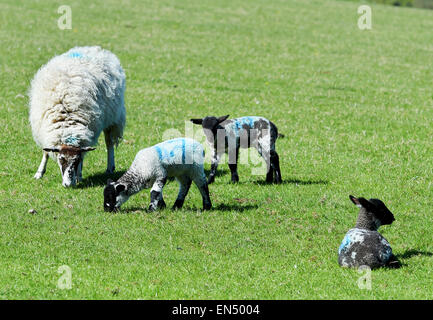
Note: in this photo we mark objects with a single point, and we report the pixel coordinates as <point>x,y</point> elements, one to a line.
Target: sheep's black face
<point>114,195</point>
<point>210,126</point>
<point>381,212</point>
<point>110,198</point>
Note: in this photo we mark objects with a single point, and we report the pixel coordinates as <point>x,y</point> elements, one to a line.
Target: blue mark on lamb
<point>364,245</point>
<point>180,158</point>
<point>229,135</point>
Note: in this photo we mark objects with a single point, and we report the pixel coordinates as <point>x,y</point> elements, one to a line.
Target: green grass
<point>355,107</point>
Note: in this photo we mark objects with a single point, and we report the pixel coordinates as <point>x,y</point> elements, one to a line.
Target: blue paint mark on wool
<point>345,243</point>
<point>240,122</point>
<point>75,54</point>
<point>71,140</point>
<point>169,149</point>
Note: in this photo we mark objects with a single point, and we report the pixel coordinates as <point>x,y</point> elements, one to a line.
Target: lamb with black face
<point>111,195</point>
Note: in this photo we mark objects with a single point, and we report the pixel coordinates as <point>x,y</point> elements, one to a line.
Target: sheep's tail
<point>280,135</point>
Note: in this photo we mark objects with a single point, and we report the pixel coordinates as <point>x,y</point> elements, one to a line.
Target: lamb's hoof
<point>177,205</point>
<point>151,208</point>
<point>207,206</point>
<point>162,205</point>
<point>211,179</point>
<point>235,179</point>
<point>110,171</point>
<point>38,175</point>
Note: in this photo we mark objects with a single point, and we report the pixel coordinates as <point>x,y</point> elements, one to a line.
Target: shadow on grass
<point>234,207</point>
<point>99,179</point>
<point>292,181</point>
<point>219,173</point>
<point>413,252</point>
<point>220,207</point>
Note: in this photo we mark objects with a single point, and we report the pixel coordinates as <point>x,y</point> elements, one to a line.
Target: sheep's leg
<point>109,142</point>
<point>202,185</point>
<point>275,163</point>
<point>184,185</point>
<point>266,156</point>
<point>42,167</point>
<point>156,194</point>
<point>213,167</point>
<point>233,164</point>
<point>161,202</point>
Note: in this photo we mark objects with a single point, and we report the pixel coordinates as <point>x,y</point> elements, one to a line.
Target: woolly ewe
<point>73,98</point>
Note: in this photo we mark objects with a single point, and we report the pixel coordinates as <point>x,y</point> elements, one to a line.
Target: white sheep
<point>73,98</point>
<point>181,158</point>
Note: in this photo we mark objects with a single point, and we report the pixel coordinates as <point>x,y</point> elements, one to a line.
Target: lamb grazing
<point>180,158</point>
<point>73,98</point>
<point>227,136</point>
<point>363,245</point>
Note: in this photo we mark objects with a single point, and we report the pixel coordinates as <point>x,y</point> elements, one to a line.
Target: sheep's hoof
<point>38,175</point>
<point>235,179</point>
<point>211,179</point>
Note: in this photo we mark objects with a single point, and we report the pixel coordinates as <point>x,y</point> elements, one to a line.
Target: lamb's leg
<point>233,164</point>
<point>156,194</point>
<point>267,157</point>
<point>213,167</point>
<point>202,185</point>
<point>275,163</point>
<point>161,202</point>
<point>109,142</point>
<point>184,184</point>
<point>42,167</point>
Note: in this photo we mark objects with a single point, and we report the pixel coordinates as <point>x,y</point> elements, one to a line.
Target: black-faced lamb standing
<point>229,135</point>
<point>73,98</point>
<point>364,245</point>
<point>181,158</point>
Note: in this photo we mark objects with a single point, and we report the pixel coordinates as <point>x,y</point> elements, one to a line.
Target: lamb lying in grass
<point>73,98</point>
<point>363,245</point>
<point>181,158</point>
<point>227,136</point>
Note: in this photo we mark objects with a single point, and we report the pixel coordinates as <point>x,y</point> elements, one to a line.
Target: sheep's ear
<point>197,121</point>
<point>361,202</point>
<point>120,187</point>
<point>52,149</point>
<point>223,118</point>
<point>85,149</point>
<point>109,181</point>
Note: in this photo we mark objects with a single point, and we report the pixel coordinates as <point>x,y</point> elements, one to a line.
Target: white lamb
<point>181,158</point>
<point>73,98</point>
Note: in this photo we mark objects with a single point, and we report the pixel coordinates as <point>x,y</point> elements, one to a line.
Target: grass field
<point>355,107</point>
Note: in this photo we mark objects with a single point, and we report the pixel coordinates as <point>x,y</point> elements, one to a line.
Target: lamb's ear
<point>223,118</point>
<point>361,202</point>
<point>86,149</point>
<point>120,187</point>
<point>197,121</point>
<point>52,149</point>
